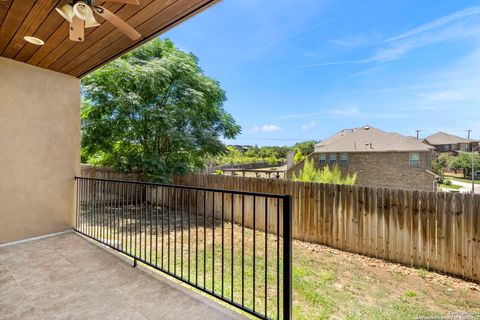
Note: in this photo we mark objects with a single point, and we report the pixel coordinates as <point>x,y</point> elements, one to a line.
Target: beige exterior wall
<point>39,150</point>
<point>384,169</point>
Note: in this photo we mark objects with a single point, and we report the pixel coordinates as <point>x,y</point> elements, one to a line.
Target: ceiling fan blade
<point>77,29</point>
<point>136,2</point>
<point>117,22</point>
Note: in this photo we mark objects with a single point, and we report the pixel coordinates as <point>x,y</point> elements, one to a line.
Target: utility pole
<point>473,168</point>
<point>469,130</point>
<point>418,132</point>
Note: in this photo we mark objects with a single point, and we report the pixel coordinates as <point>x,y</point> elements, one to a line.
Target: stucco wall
<point>39,150</point>
<point>384,169</point>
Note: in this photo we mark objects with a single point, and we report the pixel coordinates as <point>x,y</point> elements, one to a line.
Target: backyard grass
<point>449,186</point>
<point>327,283</point>
<point>462,179</point>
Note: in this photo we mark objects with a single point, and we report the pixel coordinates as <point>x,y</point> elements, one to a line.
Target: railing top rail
<point>153,184</point>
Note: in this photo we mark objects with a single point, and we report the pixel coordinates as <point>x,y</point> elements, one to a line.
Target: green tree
<point>153,110</point>
<point>463,161</point>
<point>298,156</point>
<point>306,147</point>
<point>441,163</point>
<point>310,174</point>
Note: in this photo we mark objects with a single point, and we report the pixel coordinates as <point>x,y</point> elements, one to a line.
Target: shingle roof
<point>369,139</point>
<point>445,138</point>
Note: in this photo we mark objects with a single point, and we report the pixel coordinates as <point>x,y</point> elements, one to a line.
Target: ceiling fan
<point>80,14</point>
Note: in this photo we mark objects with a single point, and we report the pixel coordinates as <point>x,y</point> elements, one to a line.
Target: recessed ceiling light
<point>34,40</point>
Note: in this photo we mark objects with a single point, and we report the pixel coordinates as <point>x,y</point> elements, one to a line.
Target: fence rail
<point>435,230</point>
<point>208,238</point>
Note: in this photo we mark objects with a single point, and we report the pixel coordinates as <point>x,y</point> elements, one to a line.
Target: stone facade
<point>382,169</point>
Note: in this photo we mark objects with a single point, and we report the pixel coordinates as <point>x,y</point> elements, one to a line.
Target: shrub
<point>310,174</point>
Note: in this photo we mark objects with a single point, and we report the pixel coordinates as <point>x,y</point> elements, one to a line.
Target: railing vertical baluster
<point>156,226</point>
<point>136,218</point>
<point>97,208</point>
<point>266,256</point>
<point>232,248</point>
<point>189,218</point>
<point>287,257</point>
<point>163,223</point>
<point>130,220</point>
<point>102,202</point>
<point>204,239</point>
<point>181,231</point>
<point>196,237</point>
<point>223,237</point>
<point>168,227</point>
<point>122,217</point>
<point>278,258</point>
<point>175,212</point>
<point>143,206</point>
<point>213,241</point>
<point>254,248</point>
<point>243,250</point>
<point>149,197</point>
<point>113,210</point>
<point>77,202</point>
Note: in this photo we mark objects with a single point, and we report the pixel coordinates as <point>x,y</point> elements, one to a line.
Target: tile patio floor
<point>69,277</point>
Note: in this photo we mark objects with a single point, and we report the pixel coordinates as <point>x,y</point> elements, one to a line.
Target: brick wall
<point>383,169</point>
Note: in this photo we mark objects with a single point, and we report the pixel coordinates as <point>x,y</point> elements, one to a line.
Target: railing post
<point>287,257</point>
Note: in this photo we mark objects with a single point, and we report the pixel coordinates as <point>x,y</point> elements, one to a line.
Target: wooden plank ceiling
<point>38,18</point>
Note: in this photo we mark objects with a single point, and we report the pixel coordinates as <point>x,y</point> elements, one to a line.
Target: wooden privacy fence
<point>99,172</point>
<point>435,230</point>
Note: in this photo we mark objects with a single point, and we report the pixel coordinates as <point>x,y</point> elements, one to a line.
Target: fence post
<point>287,257</point>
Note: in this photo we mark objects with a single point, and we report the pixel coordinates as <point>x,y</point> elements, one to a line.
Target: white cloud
<point>357,113</point>
<point>301,115</point>
<point>351,111</point>
<point>453,27</point>
<point>438,23</point>
<point>265,128</point>
<point>352,41</point>
<point>308,125</point>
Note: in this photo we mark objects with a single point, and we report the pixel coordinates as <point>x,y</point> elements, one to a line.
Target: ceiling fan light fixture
<point>91,23</point>
<point>83,11</point>
<point>66,12</point>
<point>34,40</point>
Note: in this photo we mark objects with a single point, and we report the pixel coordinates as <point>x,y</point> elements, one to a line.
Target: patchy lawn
<point>449,186</point>
<point>328,283</point>
<point>461,178</point>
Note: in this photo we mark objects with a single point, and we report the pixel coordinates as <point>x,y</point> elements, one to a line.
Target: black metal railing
<point>233,245</point>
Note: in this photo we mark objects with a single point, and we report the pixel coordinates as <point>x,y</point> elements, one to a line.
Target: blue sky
<point>304,69</point>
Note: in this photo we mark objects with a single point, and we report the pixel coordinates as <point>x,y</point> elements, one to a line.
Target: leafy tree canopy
<point>464,161</point>
<point>153,110</point>
<point>298,156</point>
<point>306,147</point>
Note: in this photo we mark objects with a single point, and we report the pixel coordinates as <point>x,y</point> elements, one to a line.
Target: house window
<point>447,147</point>
<point>333,159</point>
<point>323,159</point>
<point>414,159</point>
<point>344,159</point>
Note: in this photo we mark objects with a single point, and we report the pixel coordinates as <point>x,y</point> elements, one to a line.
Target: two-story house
<point>379,158</point>
<point>444,142</point>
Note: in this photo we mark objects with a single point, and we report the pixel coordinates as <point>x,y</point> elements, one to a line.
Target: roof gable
<point>370,139</point>
<point>440,138</point>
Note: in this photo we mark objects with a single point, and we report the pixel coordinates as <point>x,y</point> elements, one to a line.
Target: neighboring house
<point>379,158</point>
<point>241,148</point>
<point>444,142</point>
